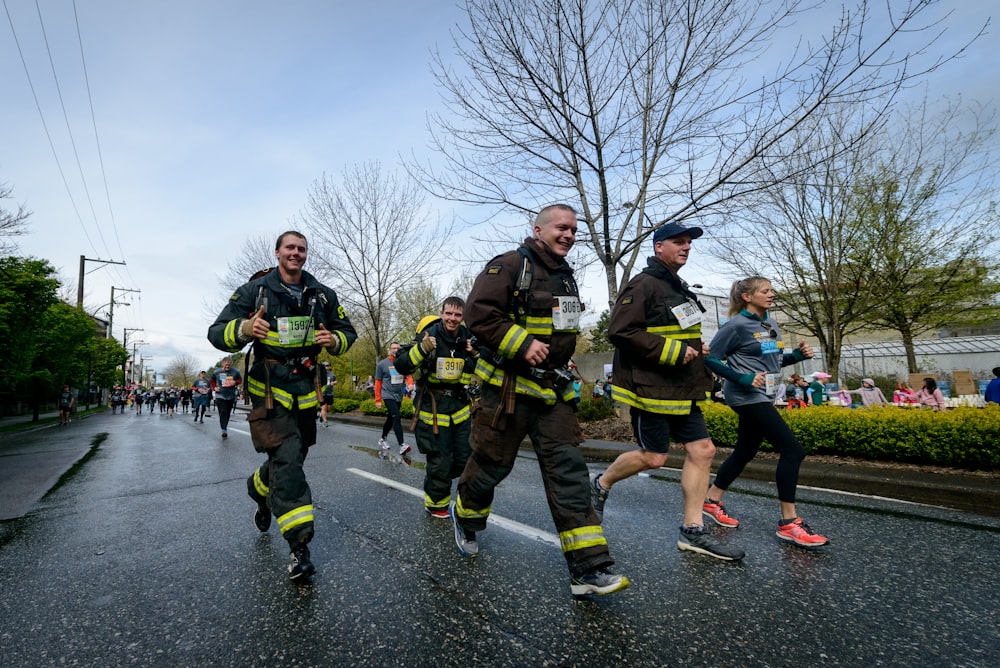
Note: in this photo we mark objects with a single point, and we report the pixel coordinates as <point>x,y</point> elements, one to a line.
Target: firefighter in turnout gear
<point>524,309</point>
<point>290,317</point>
<point>445,354</point>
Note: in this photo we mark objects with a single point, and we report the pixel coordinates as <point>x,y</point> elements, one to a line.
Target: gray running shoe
<point>465,540</point>
<point>600,581</point>
<point>598,495</point>
<point>697,540</point>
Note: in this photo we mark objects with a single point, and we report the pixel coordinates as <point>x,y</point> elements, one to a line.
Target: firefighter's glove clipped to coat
<point>428,344</point>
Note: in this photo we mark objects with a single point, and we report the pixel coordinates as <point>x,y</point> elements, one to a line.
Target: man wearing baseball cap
<point>660,372</point>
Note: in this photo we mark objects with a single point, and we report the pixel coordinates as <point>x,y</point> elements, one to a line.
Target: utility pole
<point>79,287</point>
<point>111,308</point>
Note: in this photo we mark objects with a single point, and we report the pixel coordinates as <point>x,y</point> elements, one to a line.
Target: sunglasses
<point>771,331</point>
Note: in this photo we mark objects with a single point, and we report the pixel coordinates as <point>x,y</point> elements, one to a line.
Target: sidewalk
<point>951,488</point>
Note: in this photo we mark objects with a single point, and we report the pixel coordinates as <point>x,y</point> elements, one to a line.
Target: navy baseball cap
<point>671,230</point>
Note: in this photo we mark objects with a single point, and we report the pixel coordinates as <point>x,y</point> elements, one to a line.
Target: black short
<point>654,431</point>
<point>327,401</point>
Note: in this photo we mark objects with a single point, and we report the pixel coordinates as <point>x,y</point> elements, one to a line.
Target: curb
<point>956,489</point>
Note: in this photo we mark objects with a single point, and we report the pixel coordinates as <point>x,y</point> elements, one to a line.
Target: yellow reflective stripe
<point>675,331</point>
<point>446,420</point>
<point>660,406</point>
<point>272,340</point>
<point>468,513</point>
<point>538,325</point>
<point>671,351</point>
<point>229,334</point>
<point>494,376</point>
<point>342,338</point>
<point>512,341</point>
<point>437,505</point>
<point>294,518</point>
<point>258,484</point>
<point>582,537</point>
<point>287,399</point>
<point>416,355</point>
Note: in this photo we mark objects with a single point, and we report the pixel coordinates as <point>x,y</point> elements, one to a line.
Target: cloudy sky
<point>213,118</point>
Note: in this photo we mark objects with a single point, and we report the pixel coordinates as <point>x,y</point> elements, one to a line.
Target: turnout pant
<point>447,454</point>
<point>555,435</point>
<point>285,436</point>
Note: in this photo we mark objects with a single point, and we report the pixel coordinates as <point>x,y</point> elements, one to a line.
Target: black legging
<point>757,422</point>
<point>392,421</point>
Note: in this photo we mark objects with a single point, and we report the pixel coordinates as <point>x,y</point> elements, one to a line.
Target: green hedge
<point>346,405</point>
<point>405,409</point>
<point>966,437</point>
<point>590,410</point>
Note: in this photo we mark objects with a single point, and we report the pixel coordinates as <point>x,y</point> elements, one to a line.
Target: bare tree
<point>371,239</point>
<point>181,371</point>
<point>929,205</point>
<point>803,233</point>
<point>12,223</point>
<point>642,113</point>
<point>892,230</point>
<point>257,253</point>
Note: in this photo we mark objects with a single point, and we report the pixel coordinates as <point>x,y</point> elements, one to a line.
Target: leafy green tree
<point>108,355</point>
<point>599,342</point>
<point>28,287</point>
<point>63,353</point>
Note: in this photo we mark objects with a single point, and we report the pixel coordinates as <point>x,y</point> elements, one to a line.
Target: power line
<point>45,126</point>
<point>69,129</point>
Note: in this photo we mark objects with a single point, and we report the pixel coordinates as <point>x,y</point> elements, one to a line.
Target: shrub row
<point>405,409</point>
<point>964,437</point>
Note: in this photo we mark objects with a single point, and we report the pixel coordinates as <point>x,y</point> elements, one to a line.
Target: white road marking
<point>497,520</point>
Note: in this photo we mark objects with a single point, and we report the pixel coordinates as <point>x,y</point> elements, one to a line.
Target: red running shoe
<point>798,532</point>
<point>715,511</point>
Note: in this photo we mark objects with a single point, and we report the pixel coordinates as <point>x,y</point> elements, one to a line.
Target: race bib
<point>449,368</point>
<point>395,378</point>
<point>294,330</point>
<point>566,313</point>
<point>688,314</point>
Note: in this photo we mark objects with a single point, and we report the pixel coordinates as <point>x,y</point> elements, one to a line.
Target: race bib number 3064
<point>566,313</point>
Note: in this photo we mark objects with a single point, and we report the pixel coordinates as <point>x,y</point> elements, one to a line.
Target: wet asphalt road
<point>146,556</point>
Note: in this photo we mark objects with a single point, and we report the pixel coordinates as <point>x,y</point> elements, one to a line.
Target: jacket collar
<point>540,251</point>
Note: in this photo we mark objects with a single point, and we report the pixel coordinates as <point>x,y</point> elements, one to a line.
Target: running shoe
<point>382,444</point>
<point>465,540</point>
<point>300,567</point>
<point>599,581</point>
<point>404,448</point>
<point>440,513</point>
<point>798,532</point>
<point>717,513</point>
<point>598,495</point>
<point>695,539</point>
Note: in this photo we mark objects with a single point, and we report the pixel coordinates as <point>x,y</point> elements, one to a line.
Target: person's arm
<point>488,304</point>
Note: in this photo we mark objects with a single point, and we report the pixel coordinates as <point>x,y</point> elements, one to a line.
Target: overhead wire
<point>69,129</point>
<point>45,126</point>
